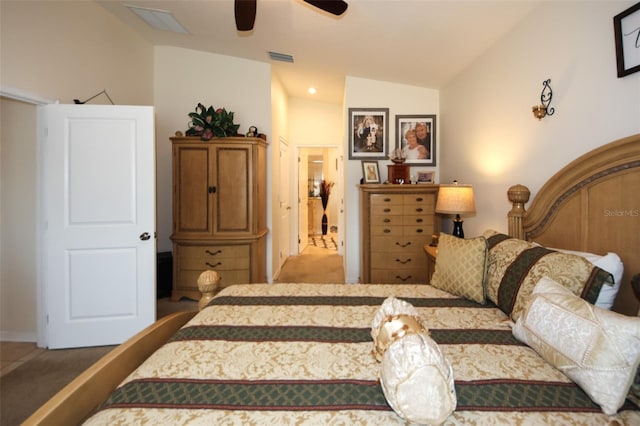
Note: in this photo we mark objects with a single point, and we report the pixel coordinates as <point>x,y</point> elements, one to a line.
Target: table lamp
<point>456,199</point>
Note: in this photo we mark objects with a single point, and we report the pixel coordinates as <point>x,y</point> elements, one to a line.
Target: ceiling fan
<point>246,11</point>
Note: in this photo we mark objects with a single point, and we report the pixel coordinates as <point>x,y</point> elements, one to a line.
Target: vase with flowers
<point>325,191</point>
<point>210,122</point>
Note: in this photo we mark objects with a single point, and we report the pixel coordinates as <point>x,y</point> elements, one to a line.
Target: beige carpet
<point>313,265</point>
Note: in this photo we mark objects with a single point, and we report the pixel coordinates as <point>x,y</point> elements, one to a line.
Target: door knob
<point>145,236</point>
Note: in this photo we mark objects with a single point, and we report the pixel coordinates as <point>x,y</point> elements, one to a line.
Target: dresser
<point>219,211</point>
<point>396,222</point>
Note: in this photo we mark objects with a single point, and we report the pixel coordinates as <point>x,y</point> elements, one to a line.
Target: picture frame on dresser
<point>370,172</point>
<point>420,151</point>
<point>369,133</point>
<point>627,37</point>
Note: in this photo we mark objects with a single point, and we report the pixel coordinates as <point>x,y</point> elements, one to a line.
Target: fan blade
<point>335,7</point>
<point>245,14</point>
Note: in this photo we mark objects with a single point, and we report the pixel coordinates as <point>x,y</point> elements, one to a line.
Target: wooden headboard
<point>592,205</point>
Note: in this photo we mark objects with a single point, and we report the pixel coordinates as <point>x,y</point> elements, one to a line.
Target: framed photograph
<point>416,138</point>
<point>425,177</point>
<point>370,172</point>
<point>368,133</point>
<point>626,26</point>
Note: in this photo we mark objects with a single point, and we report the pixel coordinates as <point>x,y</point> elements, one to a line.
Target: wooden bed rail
<point>80,398</point>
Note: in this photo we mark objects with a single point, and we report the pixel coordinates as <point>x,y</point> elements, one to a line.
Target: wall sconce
<point>539,111</point>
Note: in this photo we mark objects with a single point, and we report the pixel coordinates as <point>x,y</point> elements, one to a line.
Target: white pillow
<point>598,349</point>
<point>417,380</point>
<point>393,319</point>
<point>611,263</point>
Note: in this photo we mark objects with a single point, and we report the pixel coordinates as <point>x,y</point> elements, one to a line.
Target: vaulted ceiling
<point>423,43</point>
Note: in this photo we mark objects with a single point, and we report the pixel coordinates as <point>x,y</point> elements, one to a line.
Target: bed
<point>304,353</point>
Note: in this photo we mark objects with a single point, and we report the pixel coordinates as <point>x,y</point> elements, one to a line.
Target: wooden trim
<point>80,398</point>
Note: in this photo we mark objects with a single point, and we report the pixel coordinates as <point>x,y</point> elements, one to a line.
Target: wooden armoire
<point>219,211</point>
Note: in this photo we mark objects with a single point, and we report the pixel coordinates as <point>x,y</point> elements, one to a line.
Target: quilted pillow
<point>598,349</point>
<point>417,380</point>
<point>461,266</point>
<point>611,263</point>
<point>515,266</point>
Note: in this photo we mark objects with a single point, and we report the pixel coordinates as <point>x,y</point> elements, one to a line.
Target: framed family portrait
<point>626,27</point>
<point>370,172</point>
<point>416,138</point>
<point>368,133</point>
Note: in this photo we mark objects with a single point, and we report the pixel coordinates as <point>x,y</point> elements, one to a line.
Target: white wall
<point>401,100</point>
<point>52,50</point>
<point>280,132</point>
<point>490,138</point>
<point>317,124</point>
<point>182,78</point>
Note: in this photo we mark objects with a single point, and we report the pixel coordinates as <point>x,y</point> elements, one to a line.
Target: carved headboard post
<point>518,195</point>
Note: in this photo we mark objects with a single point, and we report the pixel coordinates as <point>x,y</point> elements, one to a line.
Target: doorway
<point>319,227</point>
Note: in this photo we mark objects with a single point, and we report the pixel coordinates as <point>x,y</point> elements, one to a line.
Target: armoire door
<point>234,194</point>
<point>98,212</point>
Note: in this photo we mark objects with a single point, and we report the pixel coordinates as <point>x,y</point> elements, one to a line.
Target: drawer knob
<point>419,199</point>
<point>404,262</point>
<point>212,253</point>
<point>419,220</point>
<point>386,231</point>
<point>408,277</point>
<point>387,210</point>
<point>212,266</point>
<point>419,209</point>
<point>386,200</point>
<point>387,220</point>
<point>419,230</point>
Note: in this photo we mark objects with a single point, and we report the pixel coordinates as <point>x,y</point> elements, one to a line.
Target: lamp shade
<point>455,199</point>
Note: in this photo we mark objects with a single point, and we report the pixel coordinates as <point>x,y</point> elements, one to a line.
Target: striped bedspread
<point>301,354</point>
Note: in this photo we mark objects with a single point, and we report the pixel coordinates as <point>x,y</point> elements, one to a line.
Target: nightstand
<point>432,253</point>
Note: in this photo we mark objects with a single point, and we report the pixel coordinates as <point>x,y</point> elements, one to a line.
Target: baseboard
<point>16,336</point>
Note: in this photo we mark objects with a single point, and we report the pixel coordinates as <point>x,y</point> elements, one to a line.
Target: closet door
<point>98,212</point>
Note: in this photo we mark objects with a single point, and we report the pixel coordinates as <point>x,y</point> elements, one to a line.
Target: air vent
<point>159,19</point>
<point>282,57</point>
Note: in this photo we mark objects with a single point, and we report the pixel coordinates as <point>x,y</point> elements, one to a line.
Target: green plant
<point>210,122</point>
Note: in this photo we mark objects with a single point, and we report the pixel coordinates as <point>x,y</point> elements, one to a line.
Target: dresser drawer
<point>380,230</point>
<point>210,252</point>
<point>395,244</point>
<point>426,201</point>
<point>401,276</point>
<point>422,220</point>
<point>388,220</point>
<point>387,209</point>
<point>386,199</point>
<point>398,260</point>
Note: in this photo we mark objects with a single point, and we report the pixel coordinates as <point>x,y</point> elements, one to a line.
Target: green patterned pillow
<point>461,266</point>
<point>514,267</point>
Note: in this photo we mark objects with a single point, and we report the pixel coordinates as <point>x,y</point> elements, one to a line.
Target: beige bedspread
<point>301,354</point>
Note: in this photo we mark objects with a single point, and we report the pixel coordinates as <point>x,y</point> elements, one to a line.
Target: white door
<point>98,212</point>
<point>303,200</point>
<point>285,203</point>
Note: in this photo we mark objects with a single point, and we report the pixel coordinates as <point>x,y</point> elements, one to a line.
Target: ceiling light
<point>159,19</point>
<point>312,90</point>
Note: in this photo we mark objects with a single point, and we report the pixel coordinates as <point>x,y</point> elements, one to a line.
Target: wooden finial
<point>208,282</point>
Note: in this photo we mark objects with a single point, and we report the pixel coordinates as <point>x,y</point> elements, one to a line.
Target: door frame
<point>338,193</point>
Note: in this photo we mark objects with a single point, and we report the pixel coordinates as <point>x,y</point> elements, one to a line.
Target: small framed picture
<point>416,138</point>
<point>368,133</point>
<point>626,27</point>
<point>425,177</point>
<point>370,172</point>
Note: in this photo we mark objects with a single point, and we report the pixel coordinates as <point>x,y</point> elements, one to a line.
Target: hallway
<point>313,265</point>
